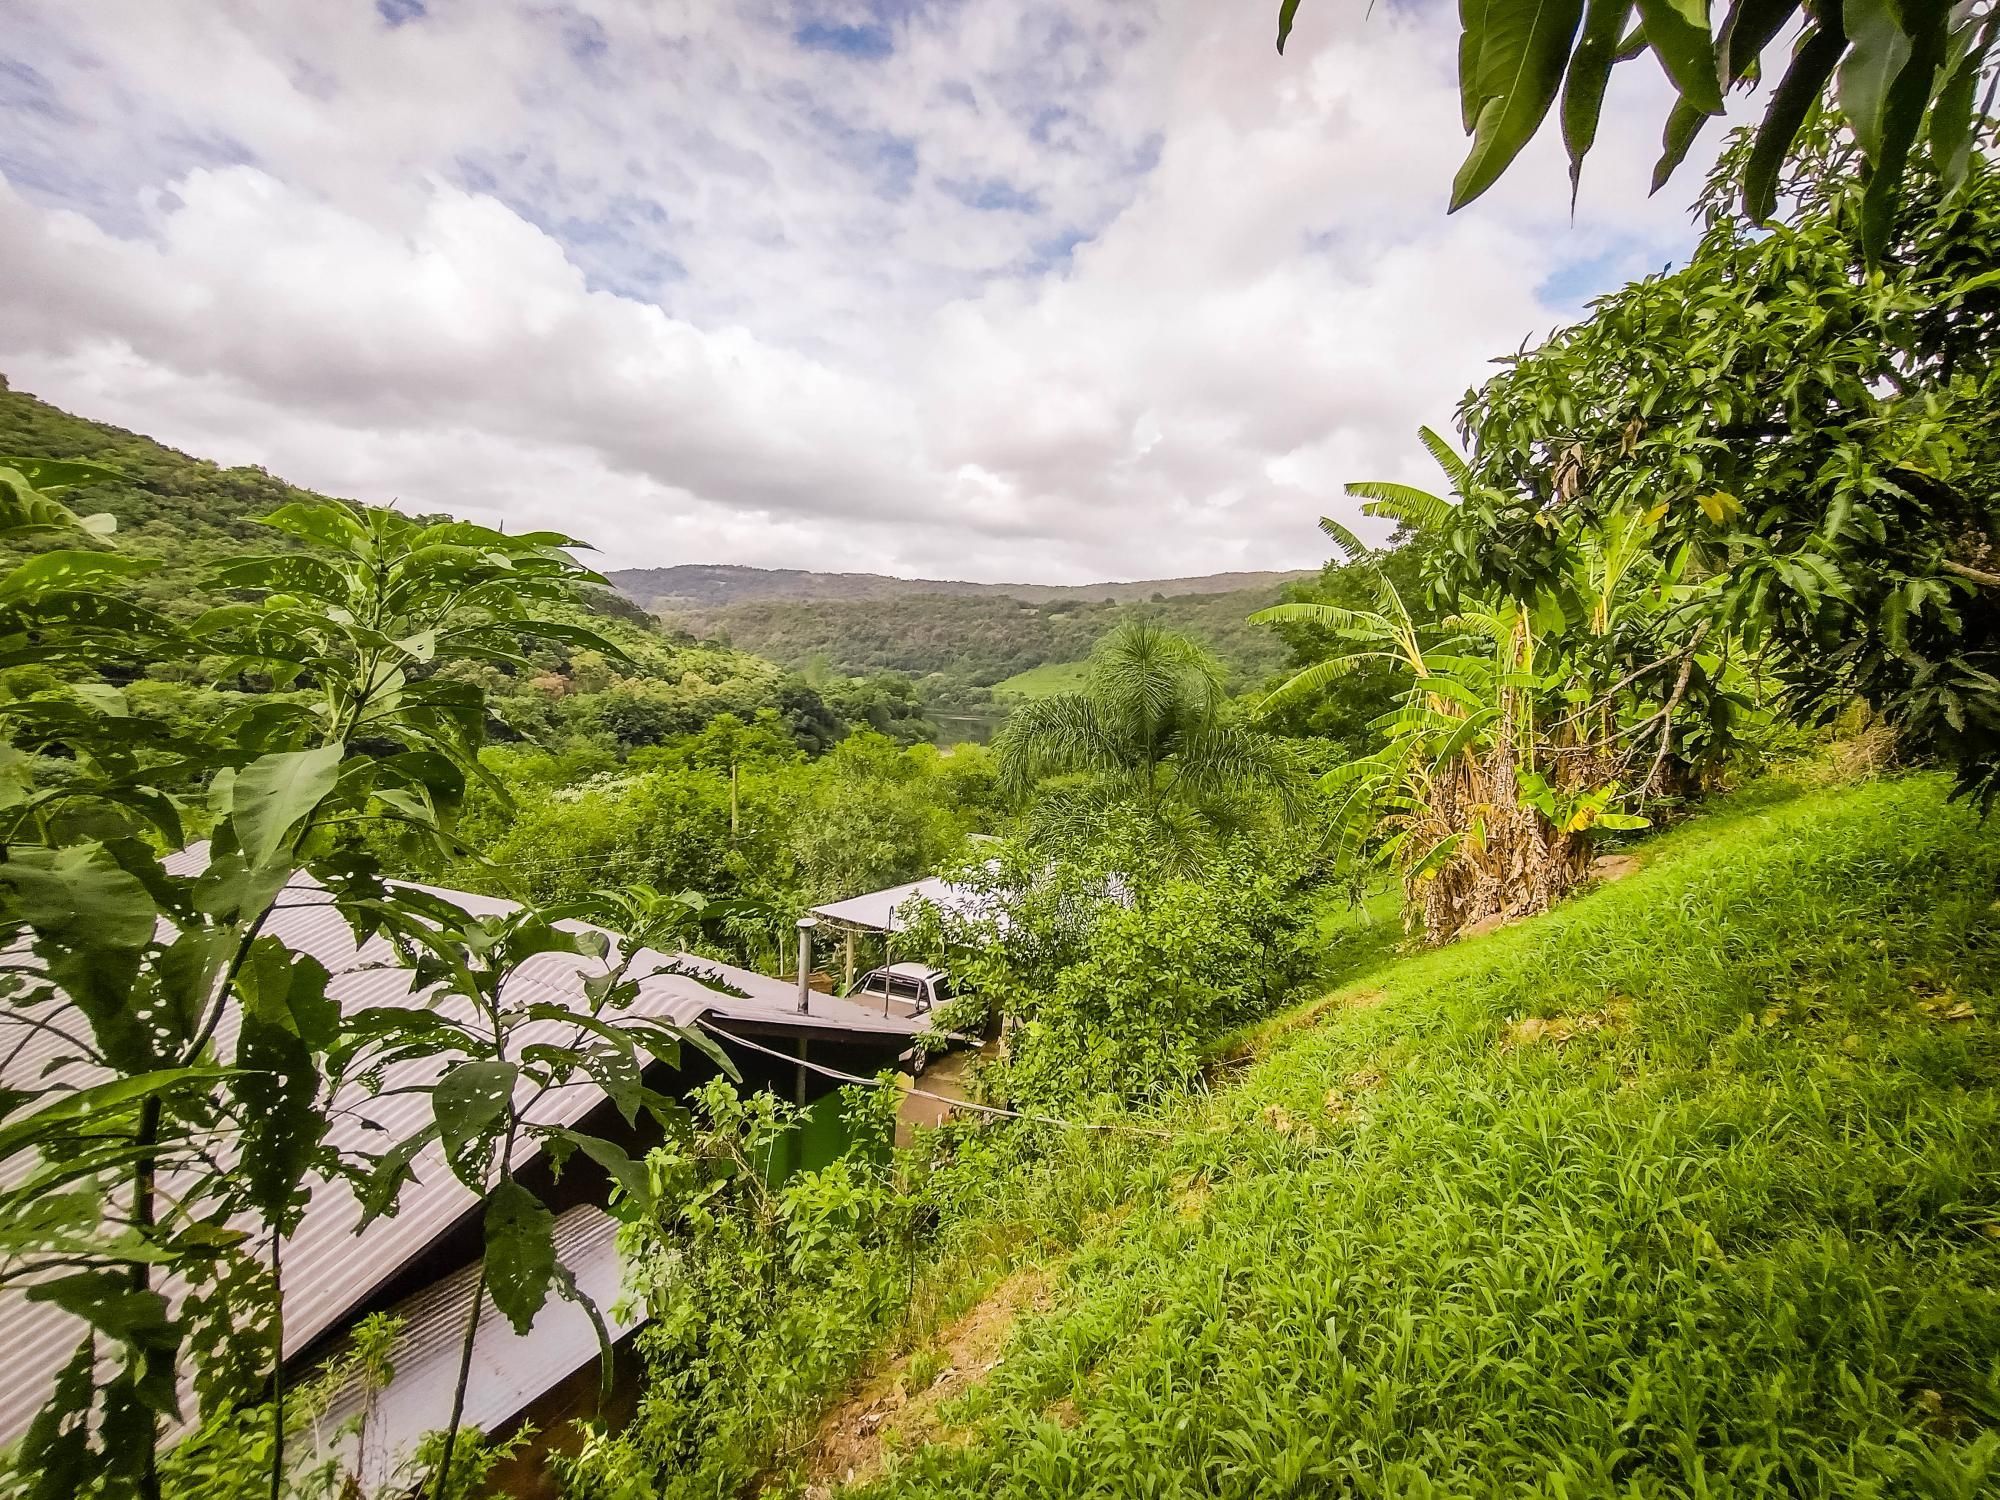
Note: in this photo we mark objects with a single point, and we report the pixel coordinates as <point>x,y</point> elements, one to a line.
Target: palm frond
<point>1055,736</point>
<point>1417,509</point>
<point>1146,678</point>
<point>1330,616</point>
<point>1455,468</point>
<point>1316,677</point>
<point>1219,759</point>
<point>1390,602</point>
<point>1347,541</point>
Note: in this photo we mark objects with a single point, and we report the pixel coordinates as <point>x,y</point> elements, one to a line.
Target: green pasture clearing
<point>1045,681</point>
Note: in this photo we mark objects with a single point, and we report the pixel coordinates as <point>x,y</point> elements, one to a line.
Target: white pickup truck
<point>903,989</point>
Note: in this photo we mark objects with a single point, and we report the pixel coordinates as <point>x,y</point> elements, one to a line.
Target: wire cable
<point>984,1109</point>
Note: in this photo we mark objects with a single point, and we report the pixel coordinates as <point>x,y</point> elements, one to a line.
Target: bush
<point>760,1296</point>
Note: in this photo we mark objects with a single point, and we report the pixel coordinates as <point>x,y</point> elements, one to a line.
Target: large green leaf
<point>1684,123</point>
<point>99,1102</point>
<point>69,570</point>
<point>1797,92</point>
<point>520,1253</point>
<point>287,1020</point>
<point>1750,27</point>
<point>618,1164</point>
<point>468,1101</point>
<point>377,1191</point>
<point>1677,31</point>
<point>135,1317</point>
<point>1472,28</point>
<point>274,792</point>
<point>1950,125</point>
<point>79,897</point>
<point>327,522</point>
<point>1522,48</point>
<point>54,1456</point>
<point>1583,86</point>
<point>48,474</point>
<point>1880,49</point>
<point>1287,12</point>
<point>1902,118</point>
<point>1351,546</point>
<point>25,510</point>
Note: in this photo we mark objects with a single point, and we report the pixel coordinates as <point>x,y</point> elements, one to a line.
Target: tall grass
<point>1689,1188</point>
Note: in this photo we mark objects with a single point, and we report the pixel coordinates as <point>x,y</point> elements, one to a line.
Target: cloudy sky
<point>995,289</point>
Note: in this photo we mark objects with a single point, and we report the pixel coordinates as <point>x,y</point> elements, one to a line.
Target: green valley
<point>1513,1012</point>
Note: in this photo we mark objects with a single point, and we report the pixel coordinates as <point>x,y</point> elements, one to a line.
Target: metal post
<point>806,926</point>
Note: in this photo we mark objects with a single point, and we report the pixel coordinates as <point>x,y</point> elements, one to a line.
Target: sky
<point>990,289</point>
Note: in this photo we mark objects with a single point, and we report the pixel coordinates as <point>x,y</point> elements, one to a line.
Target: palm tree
<point>1150,732</point>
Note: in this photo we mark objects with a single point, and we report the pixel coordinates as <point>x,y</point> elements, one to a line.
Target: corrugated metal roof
<point>328,1271</point>
<point>876,911</point>
<point>508,1370</point>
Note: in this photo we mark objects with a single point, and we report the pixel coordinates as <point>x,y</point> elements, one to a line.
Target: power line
<point>984,1109</point>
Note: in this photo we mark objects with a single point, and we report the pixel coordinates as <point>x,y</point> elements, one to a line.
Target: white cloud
<point>1051,291</point>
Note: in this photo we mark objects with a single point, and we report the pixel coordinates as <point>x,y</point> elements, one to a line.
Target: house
<point>419,1262</point>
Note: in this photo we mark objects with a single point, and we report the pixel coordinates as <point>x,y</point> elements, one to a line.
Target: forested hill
<point>971,634</point>
<point>979,640</point>
<point>707,586</point>
<point>190,515</point>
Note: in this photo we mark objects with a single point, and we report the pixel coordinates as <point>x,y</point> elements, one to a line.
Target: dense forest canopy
<point>982,639</point>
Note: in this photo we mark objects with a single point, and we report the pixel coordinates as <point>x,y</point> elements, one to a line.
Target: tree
<point>142,1153</point>
<point>1150,730</point>
<point>1897,74</point>
<point>1816,438</point>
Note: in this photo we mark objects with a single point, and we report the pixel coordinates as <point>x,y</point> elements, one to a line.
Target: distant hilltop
<point>705,586</point>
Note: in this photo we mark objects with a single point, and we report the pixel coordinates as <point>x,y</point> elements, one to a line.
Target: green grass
<point>1721,1219</point>
<point>1045,681</point>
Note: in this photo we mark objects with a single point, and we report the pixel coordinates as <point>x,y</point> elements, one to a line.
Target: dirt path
<point>897,1407</point>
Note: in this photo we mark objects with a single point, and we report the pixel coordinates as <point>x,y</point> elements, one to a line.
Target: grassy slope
<point>1737,1233</point>
<point>1045,681</point>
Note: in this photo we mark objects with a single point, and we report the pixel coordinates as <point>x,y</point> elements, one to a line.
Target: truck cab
<point>902,989</point>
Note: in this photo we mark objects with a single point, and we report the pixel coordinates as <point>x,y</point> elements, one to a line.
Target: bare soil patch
<point>855,1438</point>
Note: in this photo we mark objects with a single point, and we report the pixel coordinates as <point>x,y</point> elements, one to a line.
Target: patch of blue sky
<point>869,42</point>
<point>992,194</point>
<point>1055,253</point>
<point>620,244</point>
<point>887,162</point>
<point>45,155</point>
<point>27,91</point>
<point>1041,128</point>
<point>1573,283</point>
<point>400,12</point>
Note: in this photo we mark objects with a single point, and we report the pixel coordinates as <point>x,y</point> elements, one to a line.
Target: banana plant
<point>1481,798</point>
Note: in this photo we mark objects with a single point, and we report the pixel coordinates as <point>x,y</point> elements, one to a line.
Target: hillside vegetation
<point>1691,1187</point>
<point>711,585</point>
<point>981,639</point>
<point>191,516</point>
